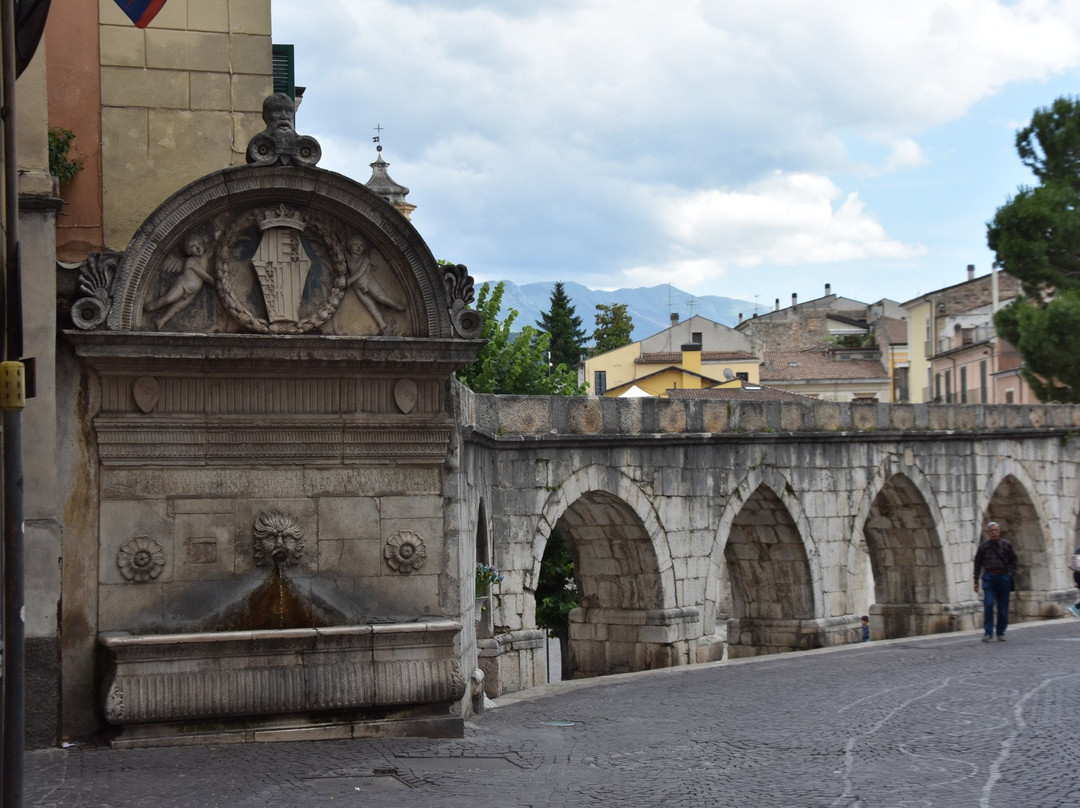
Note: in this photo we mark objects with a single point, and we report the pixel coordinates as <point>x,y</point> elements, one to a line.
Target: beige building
<point>826,320</point>
<point>828,375</point>
<point>151,109</point>
<point>694,353</point>
<point>954,353</point>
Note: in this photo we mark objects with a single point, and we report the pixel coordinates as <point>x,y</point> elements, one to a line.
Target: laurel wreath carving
<point>233,305</point>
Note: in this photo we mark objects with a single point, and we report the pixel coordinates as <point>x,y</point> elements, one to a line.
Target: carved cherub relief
<point>189,272</point>
<point>363,262</point>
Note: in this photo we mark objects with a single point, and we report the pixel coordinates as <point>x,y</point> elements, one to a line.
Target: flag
<point>141,12</point>
<point>30,18</point>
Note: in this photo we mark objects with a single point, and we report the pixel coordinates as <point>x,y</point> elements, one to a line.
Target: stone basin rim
<point>118,639</point>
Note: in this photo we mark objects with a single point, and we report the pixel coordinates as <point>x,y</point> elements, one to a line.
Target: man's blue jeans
<point>996,589</point>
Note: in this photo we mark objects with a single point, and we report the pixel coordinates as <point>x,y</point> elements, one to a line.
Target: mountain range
<point>650,307</point>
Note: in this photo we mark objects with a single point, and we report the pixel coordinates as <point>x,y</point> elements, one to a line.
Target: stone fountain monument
<point>267,461</point>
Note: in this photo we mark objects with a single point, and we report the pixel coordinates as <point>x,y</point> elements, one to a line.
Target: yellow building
<point>693,354</point>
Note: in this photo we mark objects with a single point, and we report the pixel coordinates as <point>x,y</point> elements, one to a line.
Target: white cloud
<point>785,219</point>
<point>540,140</point>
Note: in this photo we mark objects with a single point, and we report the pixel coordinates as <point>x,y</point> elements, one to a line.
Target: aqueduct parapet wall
<point>700,529</point>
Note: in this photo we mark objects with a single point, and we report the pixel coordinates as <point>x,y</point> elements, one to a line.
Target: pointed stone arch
<point>628,619</point>
<point>764,544</point>
<point>1009,501</point>
<point>902,530</point>
<point>596,478</point>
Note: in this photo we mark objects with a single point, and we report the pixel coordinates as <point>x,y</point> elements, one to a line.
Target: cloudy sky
<point>746,148</point>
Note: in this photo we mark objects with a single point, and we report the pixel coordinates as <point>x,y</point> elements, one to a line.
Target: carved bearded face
<point>278,537</point>
<point>279,112</point>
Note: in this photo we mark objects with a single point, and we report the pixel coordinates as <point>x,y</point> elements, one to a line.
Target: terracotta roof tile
<point>744,393</point>
<point>814,365</point>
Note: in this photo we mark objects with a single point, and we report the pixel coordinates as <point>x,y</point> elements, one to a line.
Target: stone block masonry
<point>770,527</point>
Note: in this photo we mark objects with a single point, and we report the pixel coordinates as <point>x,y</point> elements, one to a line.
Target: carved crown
<point>280,216</point>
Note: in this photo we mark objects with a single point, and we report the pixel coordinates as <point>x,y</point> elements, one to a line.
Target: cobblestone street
<point>933,721</point>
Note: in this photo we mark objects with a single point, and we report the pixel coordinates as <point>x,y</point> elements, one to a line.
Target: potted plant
<point>487,577</point>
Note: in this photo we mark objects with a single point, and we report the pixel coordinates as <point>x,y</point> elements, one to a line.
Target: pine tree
<point>1036,236</point>
<point>567,336</point>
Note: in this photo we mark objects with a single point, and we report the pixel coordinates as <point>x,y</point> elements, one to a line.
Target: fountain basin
<point>244,682</point>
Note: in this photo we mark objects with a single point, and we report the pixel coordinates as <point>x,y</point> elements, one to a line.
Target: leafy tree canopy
<point>1046,337</point>
<point>564,326</point>
<point>513,363</point>
<point>613,327</point>
<point>1036,237</point>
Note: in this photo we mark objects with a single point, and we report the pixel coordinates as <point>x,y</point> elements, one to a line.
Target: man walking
<point>995,560</point>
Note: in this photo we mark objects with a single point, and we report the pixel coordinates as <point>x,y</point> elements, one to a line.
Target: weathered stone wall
<point>178,100</point>
<point>756,523</point>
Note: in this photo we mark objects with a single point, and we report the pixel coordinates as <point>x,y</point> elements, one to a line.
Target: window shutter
<point>284,70</point>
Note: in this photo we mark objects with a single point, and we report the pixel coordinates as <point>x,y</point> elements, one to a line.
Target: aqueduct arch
<point>771,586</point>
<point>1021,518</point>
<point>907,560</point>
<point>628,618</point>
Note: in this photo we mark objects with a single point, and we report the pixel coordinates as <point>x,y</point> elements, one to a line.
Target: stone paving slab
<point>916,723</point>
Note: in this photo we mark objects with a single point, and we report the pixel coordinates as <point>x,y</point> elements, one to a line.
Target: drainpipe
<point>12,396</point>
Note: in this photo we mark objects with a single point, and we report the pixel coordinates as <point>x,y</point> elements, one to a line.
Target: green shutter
<point>284,71</point>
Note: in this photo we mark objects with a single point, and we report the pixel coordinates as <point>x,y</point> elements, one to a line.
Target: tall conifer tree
<point>567,336</point>
<point>1036,236</point>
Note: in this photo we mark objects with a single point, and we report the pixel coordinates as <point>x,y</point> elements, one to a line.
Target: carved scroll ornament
<point>460,291</point>
<point>95,281</point>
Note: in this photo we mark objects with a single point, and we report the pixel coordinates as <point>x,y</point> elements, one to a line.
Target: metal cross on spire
<point>378,133</point>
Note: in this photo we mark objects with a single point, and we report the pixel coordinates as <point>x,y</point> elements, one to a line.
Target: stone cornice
<point>111,349</point>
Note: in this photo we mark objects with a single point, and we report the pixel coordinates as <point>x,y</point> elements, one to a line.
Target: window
<point>744,376</point>
<point>900,384</point>
<point>937,387</point>
<point>1009,396</point>
<point>963,385</point>
<point>695,337</point>
<point>983,386</point>
<point>600,382</point>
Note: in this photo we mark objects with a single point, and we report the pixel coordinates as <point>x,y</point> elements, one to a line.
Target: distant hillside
<point>649,307</point>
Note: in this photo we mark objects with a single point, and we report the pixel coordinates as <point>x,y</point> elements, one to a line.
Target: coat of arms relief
<point>277,270</point>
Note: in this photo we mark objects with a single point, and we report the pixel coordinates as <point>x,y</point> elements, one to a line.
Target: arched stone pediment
<point>281,250</point>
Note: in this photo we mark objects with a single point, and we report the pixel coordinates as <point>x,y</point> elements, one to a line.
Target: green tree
<point>1047,337</point>
<point>1036,237</point>
<point>564,326</point>
<point>613,327</point>
<point>513,363</point>
<point>557,594</point>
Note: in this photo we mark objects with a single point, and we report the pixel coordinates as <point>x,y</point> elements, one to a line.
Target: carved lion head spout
<point>279,537</point>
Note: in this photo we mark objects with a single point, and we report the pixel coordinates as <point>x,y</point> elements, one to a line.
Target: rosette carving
<point>141,559</point>
<point>405,552</point>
